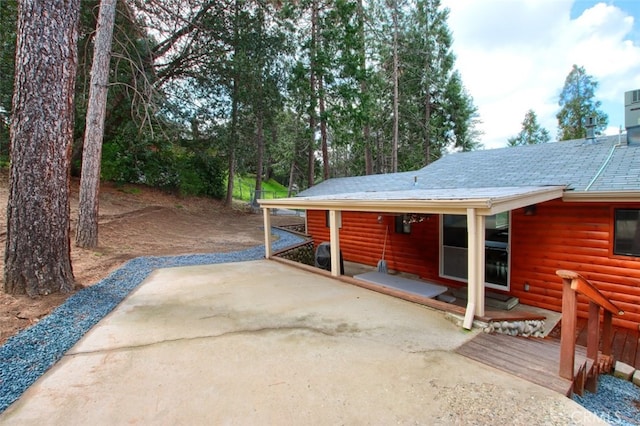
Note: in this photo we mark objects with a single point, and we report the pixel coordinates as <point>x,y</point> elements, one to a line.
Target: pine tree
<point>87,226</point>
<point>436,111</point>
<point>38,252</point>
<point>532,132</point>
<point>577,103</point>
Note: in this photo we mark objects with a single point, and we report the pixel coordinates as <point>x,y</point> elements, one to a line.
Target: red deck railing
<point>587,375</point>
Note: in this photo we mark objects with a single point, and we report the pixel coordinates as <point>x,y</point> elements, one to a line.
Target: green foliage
<point>532,132</point>
<point>244,187</point>
<point>201,174</point>
<point>577,103</point>
<point>436,112</point>
<point>187,173</point>
<point>183,105</point>
<point>119,164</point>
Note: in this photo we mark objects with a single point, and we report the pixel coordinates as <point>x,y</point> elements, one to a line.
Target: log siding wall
<point>574,236</point>
<point>561,235</point>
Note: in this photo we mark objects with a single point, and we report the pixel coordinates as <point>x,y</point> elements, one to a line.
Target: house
<point>504,220</point>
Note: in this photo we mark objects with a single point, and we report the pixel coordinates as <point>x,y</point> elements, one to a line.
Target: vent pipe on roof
<point>632,116</point>
<point>590,126</point>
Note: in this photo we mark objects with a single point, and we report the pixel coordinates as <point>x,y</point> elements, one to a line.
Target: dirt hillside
<point>134,221</point>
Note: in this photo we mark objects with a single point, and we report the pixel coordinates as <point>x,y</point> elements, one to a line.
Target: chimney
<point>632,116</point>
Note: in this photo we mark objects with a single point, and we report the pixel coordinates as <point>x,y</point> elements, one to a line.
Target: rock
<point>636,378</point>
<point>623,371</point>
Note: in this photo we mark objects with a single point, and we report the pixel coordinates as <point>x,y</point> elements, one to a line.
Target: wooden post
<point>593,330</point>
<point>607,336</point>
<point>593,341</point>
<point>568,330</point>
<point>334,237</point>
<point>266,213</point>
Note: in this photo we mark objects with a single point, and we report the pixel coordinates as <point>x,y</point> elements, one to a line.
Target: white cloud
<point>514,55</point>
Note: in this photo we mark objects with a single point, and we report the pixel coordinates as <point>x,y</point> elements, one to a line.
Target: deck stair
<point>561,366</point>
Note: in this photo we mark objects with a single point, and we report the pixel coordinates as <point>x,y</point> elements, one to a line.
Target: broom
<point>382,264</point>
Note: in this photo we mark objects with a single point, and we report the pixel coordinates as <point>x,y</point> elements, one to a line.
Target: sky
<point>514,55</point>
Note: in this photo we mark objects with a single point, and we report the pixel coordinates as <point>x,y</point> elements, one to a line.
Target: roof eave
<point>484,205</point>
<point>601,196</point>
<point>380,206</point>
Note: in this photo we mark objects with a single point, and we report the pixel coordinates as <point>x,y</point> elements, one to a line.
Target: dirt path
<point>135,221</point>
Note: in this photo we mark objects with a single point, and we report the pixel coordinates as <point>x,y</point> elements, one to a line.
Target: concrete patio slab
<point>265,343</point>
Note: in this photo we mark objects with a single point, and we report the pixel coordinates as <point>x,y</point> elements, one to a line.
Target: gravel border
<point>30,353</point>
<point>617,401</point>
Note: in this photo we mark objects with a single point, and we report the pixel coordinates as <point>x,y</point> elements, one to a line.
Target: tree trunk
<point>260,157</point>
<point>312,102</point>
<point>232,139</point>
<point>323,130</point>
<point>292,174</point>
<point>427,99</point>
<point>228,202</point>
<point>38,249</point>
<point>87,227</point>
<point>427,125</point>
<point>396,118</point>
<point>311,152</point>
<point>364,96</point>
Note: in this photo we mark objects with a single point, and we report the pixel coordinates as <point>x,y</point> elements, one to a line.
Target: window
<point>403,224</point>
<point>627,232</point>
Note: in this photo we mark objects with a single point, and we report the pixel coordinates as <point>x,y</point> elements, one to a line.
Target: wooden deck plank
<point>535,360</point>
<point>515,356</point>
<point>523,349</point>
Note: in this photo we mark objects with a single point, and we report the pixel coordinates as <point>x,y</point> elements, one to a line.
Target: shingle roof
<point>581,165</point>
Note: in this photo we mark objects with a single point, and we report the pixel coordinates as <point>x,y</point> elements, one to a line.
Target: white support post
<point>472,269</point>
<point>266,213</point>
<point>480,264</point>
<point>334,238</point>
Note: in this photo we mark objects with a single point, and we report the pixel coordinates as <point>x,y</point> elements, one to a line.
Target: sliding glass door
<point>454,249</point>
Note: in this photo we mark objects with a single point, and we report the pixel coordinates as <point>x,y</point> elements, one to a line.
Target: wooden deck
<point>532,359</point>
<point>537,360</point>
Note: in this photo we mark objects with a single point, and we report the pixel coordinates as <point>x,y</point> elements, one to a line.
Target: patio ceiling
<point>485,201</point>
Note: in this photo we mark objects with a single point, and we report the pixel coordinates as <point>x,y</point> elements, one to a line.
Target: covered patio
<point>474,203</point>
